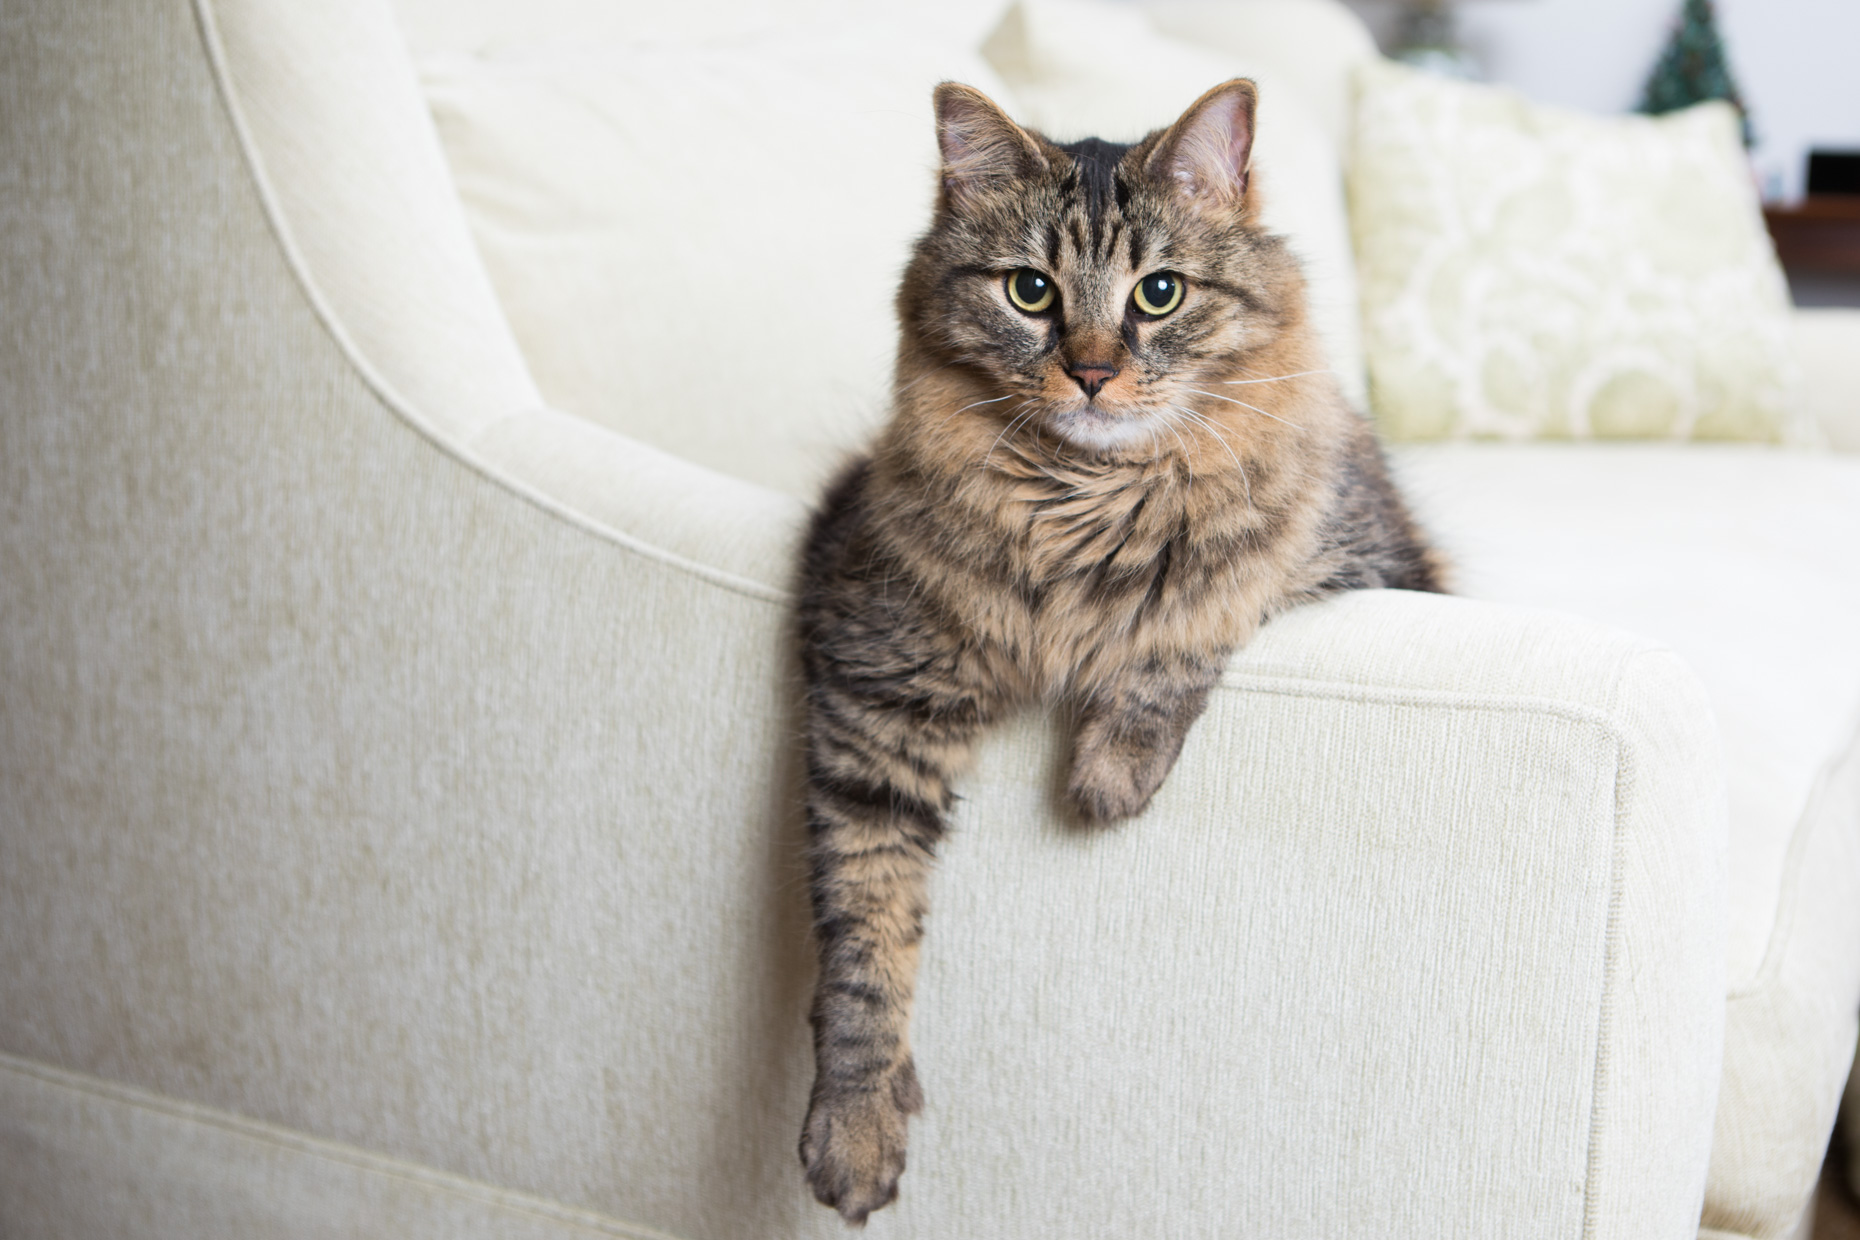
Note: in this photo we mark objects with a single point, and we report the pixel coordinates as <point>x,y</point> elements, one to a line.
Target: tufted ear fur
<point>981,146</point>
<point>1208,150</point>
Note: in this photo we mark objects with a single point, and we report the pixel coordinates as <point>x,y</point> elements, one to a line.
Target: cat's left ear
<point>1208,151</point>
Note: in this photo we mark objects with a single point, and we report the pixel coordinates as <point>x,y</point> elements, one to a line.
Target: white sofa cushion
<point>697,241</point>
<point>1827,344</point>
<point>1529,271</point>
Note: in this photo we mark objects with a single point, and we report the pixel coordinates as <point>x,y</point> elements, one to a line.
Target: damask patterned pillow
<point>1530,272</point>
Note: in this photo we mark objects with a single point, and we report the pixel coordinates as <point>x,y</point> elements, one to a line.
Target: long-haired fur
<point>1075,500</point>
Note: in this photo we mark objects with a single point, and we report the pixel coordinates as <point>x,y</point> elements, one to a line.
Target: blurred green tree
<point>1693,68</point>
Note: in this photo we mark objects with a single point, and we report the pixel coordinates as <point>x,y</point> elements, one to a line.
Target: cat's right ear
<point>981,146</point>
<point>1207,154</point>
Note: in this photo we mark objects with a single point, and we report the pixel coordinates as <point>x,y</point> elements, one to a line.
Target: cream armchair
<point>398,826</point>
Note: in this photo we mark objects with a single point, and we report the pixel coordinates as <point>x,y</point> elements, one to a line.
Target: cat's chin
<point>1103,431</point>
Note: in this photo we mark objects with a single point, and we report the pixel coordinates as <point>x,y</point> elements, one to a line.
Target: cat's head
<point>1100,289</point>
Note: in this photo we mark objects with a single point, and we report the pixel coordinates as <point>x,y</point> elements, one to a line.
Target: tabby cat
<point>1115,451</point>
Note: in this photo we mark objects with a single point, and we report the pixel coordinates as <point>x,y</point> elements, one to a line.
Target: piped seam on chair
<point>484,449</point>
<point>301,1143</point>
<point>1605,1017</point>
<point>1439,699</point>
<point>385,391</point>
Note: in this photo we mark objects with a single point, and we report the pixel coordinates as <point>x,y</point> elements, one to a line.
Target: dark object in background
<point>1820,234</point>
<point>1834,172</point>
<point>1693,68</point>
<point>1819,237</point>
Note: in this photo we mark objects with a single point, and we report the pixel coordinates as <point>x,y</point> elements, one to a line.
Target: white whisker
<point>1208,426</point>
<point>1255,408</point>
<point>1276,378</point>
<point>1188,453</point>
<point>1016,421</point>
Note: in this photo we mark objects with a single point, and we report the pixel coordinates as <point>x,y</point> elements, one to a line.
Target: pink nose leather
<point>1091,376</point>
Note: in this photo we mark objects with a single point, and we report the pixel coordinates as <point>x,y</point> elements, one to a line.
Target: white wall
<point>1797,62</point>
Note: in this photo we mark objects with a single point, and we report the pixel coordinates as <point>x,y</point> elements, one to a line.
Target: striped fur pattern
<point>1084,503</point>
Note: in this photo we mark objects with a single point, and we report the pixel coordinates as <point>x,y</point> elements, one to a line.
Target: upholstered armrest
<point>1426,928</point>
<point>1828,343</point>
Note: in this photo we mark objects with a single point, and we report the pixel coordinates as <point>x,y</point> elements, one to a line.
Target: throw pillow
<point>1531,272</point>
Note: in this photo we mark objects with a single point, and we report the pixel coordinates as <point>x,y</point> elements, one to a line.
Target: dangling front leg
<point>878,773</point>
<point>1131,730</point>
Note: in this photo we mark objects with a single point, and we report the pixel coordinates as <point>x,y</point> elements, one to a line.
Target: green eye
<point>1157,295</point>
<point>1030,291</point>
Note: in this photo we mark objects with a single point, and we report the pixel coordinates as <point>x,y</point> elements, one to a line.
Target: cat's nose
<point>1091,376</point>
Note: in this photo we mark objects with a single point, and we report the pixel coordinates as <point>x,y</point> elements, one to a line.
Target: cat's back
<point>1372,540</point>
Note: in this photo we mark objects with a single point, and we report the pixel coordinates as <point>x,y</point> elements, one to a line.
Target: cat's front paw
<point>853,1142</point>
<point>1120,757</point>
<point>1111,781</point>
<point>1104,792</point>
